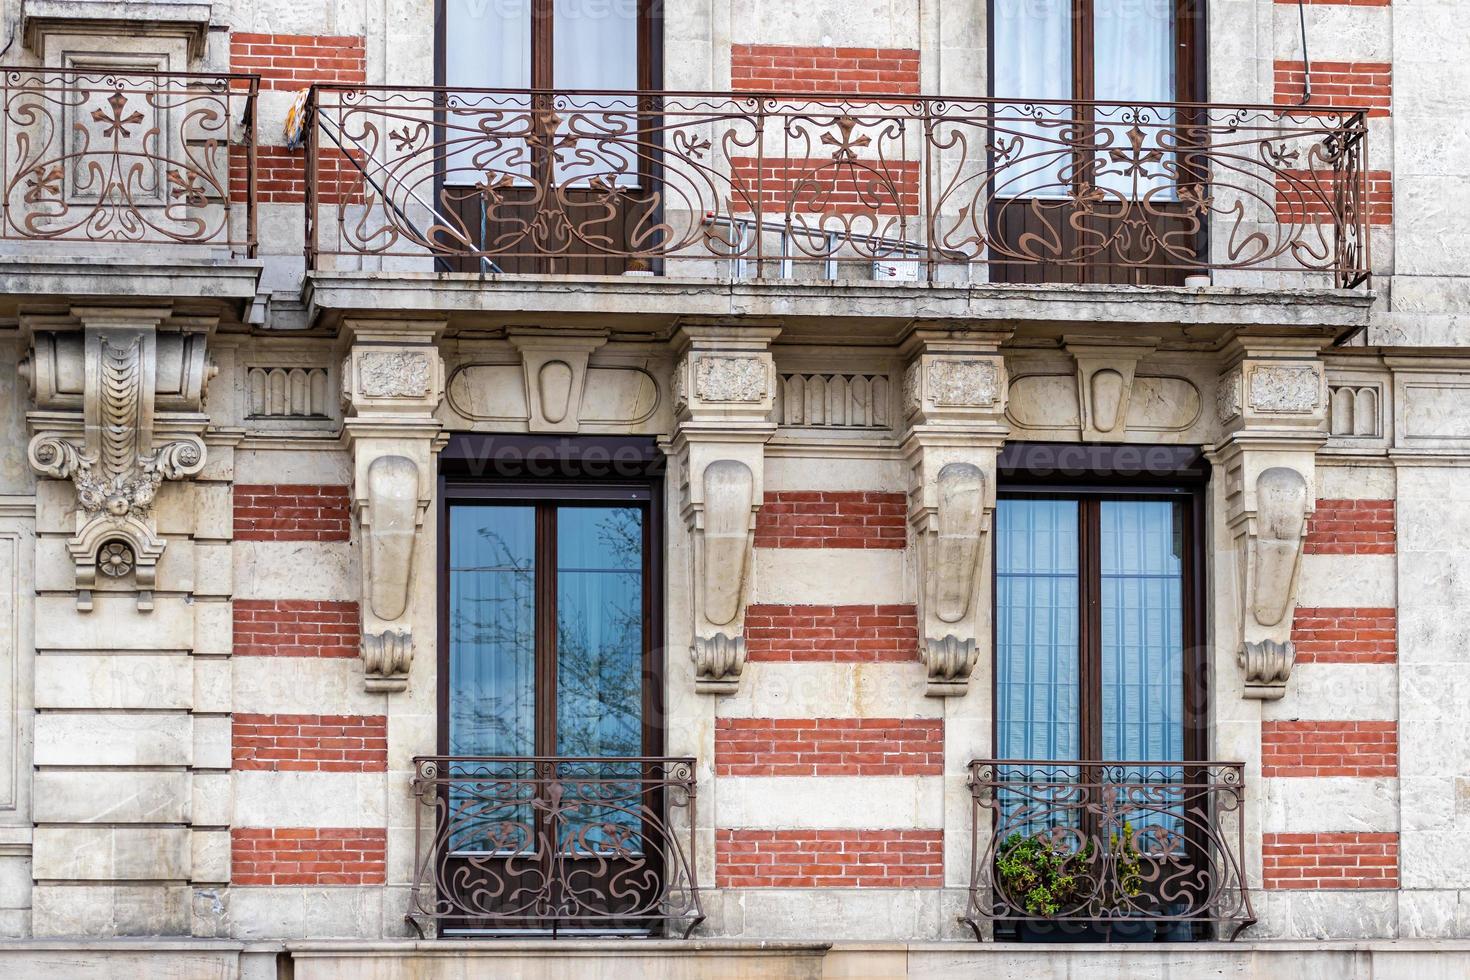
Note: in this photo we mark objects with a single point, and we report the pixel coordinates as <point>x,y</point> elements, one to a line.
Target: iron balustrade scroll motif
<point>1108,845</point>
<point>773,185</point>
<point>128,158</point>
<point>555,846</point>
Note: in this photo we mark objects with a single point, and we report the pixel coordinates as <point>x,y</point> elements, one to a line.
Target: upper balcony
<point>148,177</point>
<point>781,194</point>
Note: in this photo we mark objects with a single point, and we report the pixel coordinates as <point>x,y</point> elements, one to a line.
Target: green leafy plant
<point>1047,877</point>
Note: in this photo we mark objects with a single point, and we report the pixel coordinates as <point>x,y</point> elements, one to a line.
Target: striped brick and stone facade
<point>214,737</point>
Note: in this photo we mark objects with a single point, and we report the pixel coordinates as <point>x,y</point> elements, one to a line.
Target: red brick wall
<point>1352,527</point>
<point>287,62</point>
<point>831,634</point>
<point>1345,635</point>
<point>296,628</point>
<point>280,176</point>
<point>829,747</point>
<point>1340,84</point>
<point>831,519</point>
<point>310,743</point>
<point>829,858</point>
<point>819,186</point>
<point>308,856</point>
<point>1305,197</point>
<point>1329,748</point>
<point>1323,861</point>
<point>784,68</point>
<point>292,512</point>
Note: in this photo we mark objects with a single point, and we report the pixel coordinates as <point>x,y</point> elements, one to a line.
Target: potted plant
<point>1045,878</point>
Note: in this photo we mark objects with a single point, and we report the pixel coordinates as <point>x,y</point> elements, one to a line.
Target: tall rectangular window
<point>1091,627</point>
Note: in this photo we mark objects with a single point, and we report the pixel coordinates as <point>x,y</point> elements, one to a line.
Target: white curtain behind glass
<point>487,44</point>
<point>1033,61</point>
<point>1133,61</point>
<point>595,46</point>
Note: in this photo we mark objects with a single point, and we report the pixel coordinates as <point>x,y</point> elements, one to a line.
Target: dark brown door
<point>559,179</point>
<point>1092,178</point>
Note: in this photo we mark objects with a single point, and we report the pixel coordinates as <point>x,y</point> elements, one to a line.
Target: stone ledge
<point>658,301</point>
<point>65,280</point>
<point>183,17</point>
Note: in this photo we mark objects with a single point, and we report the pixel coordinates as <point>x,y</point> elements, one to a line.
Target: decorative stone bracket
<point>955,398</point>
<point>724,392</point>
<point>1105,371</point>
<point>1274,535</point>
<point>106,421</point>
<point>1272,401</point>
<point>392,381</point>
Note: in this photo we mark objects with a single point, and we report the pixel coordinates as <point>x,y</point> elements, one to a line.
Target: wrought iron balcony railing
<point>554,846</point>
<point>1127,849</point>
<point>128,158</point>
<point>809,186</point>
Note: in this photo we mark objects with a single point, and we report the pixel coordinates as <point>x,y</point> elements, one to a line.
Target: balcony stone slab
<point>134,273</point>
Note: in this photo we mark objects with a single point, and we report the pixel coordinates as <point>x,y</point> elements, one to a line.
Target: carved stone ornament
<point>951,541</point>
<point>109,453</point>
<point>728,378</point>
<point>963,384</point>
<point>1274,567</point>
<point>723,538</point>
<point>394,374</point>
<point>390,518</point>
<point>1285,388</point>
<point>1227,397</point>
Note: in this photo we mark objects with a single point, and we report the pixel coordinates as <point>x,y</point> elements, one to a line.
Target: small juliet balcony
<point>103,162</point>
<point>1108,851</point>
<point>803,187</point>
<point>554,846</point>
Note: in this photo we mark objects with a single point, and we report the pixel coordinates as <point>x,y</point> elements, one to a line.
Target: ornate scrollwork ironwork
<point>555,845</point>
<point>1159,842</point>
<point>503,174</point>
<point>135,157</point>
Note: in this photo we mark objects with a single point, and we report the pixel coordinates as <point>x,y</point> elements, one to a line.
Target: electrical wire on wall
<point>1301,13</point>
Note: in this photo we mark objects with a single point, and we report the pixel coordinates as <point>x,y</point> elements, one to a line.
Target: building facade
<point>692,488</point>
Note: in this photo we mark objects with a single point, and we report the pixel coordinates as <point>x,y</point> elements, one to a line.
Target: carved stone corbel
<point>105,422</point>
<point>1274,539</point>
<point>392,379</point>
<point>955,397</point>
<point>1271,401</point>
<point>724,392</point>
<point>554,365</point>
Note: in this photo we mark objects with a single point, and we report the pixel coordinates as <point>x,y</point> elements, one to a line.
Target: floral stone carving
<point>1285,388</point>
<point>730,379</point>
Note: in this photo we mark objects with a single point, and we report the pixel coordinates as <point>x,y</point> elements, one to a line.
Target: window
<point>1142,53</point>
<point>1093,625</point>
<point>507,185</point>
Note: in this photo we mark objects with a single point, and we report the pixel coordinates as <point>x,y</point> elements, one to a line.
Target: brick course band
<point>1345,635</point>
<point>292,512</point>
<point>831,634</point>
<point>787,68</point>
<point>832,519</point>
<point>829,858</point>
<point>1314,862</point>
<point>1340,84</point>
<point>1361,749</point>
<point>309,743</point>
<point>829,747</point>
<point>1352,527</point>
<point>308,856</point>
<point>295,628</point>
<point>287,62</point>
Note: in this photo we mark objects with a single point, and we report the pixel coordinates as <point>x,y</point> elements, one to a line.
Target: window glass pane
<point>595,46</point>
<point>1032,52</point>
<point>599,631</point>
<point>1133,62</point>
<point>1142,630</point>
<point>1036,629</point>
<point>492,630</point>
<point>487,43</point>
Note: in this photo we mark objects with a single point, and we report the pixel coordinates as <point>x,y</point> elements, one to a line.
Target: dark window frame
<point>547,473</point>
<point>1114,472</point>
